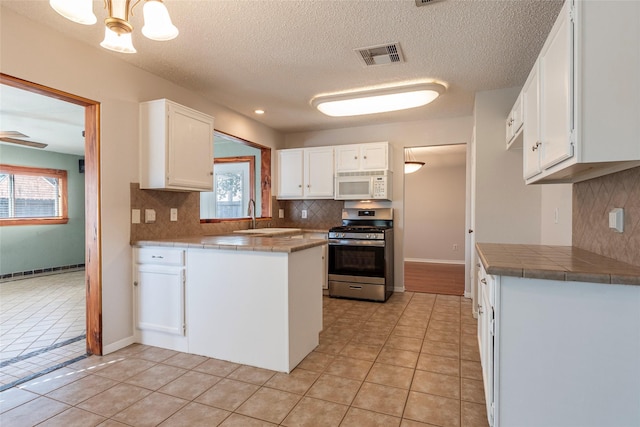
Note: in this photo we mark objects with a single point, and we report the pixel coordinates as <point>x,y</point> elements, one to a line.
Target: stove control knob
<point>369,236</point>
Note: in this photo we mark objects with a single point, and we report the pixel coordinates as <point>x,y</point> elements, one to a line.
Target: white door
<point>318,165</point>
<point>555,94</point>
<point>160,299</point>
<point>347,158</point>
<point>290,173</point>
<point>531,133</point>
<point>374,157</point>
<point>190,149</point>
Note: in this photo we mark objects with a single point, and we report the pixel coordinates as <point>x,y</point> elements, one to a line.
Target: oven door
<point>362,258</point>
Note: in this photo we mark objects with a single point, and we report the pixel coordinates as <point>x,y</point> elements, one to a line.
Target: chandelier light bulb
<point>157,22</point>
<point>79,11</point>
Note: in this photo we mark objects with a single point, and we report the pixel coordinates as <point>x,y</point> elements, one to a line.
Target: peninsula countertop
<point>239,242</point>
<point>555,263</point>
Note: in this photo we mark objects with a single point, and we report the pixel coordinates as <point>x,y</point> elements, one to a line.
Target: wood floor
<point>444,279</point>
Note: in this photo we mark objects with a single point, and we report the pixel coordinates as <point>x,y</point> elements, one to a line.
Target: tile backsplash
<point>592,202</point>
<point>321,215</point>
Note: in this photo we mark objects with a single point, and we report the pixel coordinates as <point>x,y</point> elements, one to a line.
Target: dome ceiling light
<point>117,33</point>
<point>378,100</point>
<point>411,165</point>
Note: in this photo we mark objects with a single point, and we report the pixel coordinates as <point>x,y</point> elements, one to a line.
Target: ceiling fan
<point>13,136</point>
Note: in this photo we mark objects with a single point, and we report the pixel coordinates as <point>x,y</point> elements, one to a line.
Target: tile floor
<point>412,361</point>
<point>35,314</point>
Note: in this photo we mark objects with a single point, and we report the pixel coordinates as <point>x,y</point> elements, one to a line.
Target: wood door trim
<point>93,256</point>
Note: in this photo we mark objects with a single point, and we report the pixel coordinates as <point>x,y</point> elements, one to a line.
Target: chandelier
<point>117,33</point>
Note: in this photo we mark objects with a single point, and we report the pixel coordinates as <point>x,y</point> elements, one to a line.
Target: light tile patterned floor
<point>412,361</point>
<point>37,313</point>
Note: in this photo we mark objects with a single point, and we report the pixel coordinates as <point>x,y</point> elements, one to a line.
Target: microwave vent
<point>364,173</point>
<point>426,2</point>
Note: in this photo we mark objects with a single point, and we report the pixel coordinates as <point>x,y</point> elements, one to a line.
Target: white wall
<point>435,208</point>
<point>39,54</point>
<point>507,210</point>
<point>455,130</point>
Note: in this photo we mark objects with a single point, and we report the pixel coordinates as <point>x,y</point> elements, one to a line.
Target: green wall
<point>32,247</point>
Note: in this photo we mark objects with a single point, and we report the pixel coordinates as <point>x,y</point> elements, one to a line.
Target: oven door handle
<point>338,242</point>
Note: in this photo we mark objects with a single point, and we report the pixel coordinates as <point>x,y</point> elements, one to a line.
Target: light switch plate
<point>135,216</point>
<point>280,213</point>
<point>174,214</point>
<point>304,213</point>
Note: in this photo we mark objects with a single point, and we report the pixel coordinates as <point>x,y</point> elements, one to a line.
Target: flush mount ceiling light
<point>411,165</point>
<point>378,100</point>
<point>117,33</point>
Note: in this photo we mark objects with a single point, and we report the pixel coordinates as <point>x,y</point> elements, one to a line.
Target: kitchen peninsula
<point>254,300</point>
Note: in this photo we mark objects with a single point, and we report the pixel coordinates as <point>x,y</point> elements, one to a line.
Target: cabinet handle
<point>483,281</point>
<point>365,157</point>
<point>480,310</point>
<point>355,157</point>
<point>299,185</point>
<point>535,147</point>
<point>135,283</point>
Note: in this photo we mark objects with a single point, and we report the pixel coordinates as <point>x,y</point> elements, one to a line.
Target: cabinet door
<point>531,132</point>
<point>318,166</point>
<point>556,93</point>
<point>290,173</point>
<point>374,156</point>
<point>160,299</point>
<point>190,149</point>
<point>347,158</point>
<point>487,351</point>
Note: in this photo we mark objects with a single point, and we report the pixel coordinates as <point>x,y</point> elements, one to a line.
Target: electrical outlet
<point>173,214</point>
<point>556,215</point>
<point>280,213</point>
<point>455,247</point>
<point>149,216</point>
<point>304,213</point>
<point>135,216</point>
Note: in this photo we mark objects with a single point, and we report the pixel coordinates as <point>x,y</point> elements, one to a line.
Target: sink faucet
<point>251,211</point>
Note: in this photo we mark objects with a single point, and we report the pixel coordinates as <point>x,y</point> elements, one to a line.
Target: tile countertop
<point>238,242</point>
<point>555,263</point>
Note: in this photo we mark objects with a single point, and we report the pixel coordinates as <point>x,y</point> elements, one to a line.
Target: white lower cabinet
<point>159,297</point>
<point>559,353</point>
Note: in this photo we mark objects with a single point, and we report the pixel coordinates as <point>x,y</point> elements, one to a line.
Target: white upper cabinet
<point>176,147</point>
<point>362,157</point>
<point>305,173</point>
<point>514,124</point>
<point>291,173</point>
<point>588,111</point>
<point>531,130</point>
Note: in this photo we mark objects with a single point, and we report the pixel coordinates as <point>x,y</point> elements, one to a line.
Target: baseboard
<point>398,289</point>
<point>435,261</point>
<point>468,295</point>
<point>118,345</point>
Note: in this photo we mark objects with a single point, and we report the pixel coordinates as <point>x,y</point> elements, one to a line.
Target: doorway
<point>93,267</point>
<point>434,220</point>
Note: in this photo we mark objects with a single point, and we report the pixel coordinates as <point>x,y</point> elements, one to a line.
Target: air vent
<point>426,2</point>
<point>380,55</point>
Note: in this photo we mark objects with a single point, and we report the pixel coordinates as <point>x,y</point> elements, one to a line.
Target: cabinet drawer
<point>163,256</point>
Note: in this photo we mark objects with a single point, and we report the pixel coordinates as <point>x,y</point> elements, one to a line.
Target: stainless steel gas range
<point>361,255</point>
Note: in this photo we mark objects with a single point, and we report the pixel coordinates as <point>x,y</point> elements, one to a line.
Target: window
<point>31,196</point>
<point>241,172</point>
<point>232,189</point>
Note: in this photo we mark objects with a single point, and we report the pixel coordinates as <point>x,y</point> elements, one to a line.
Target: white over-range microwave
<point>364,185</point>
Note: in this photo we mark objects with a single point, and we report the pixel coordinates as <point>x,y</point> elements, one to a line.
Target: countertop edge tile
<point>562,263</point>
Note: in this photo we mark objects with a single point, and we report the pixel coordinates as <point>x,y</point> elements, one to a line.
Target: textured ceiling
<point>278,55</point>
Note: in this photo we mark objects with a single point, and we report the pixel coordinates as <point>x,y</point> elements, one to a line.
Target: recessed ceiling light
<point>378,100</point>
<point>259,111</point>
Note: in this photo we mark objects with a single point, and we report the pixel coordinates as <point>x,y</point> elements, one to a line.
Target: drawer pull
<point>355,287</point>
<point>483,281</point>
